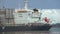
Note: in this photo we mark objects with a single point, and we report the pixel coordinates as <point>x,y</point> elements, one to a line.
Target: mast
<point>26,4</point>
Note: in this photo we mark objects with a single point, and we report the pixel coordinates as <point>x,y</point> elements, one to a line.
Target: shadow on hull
<point>24,28</point>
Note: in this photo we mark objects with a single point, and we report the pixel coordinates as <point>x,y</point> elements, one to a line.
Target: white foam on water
<point>53,15</point>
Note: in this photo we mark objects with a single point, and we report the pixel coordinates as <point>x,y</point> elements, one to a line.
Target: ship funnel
<point>26,4</point>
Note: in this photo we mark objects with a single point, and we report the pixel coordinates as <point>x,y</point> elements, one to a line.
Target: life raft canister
<point>46,19</point>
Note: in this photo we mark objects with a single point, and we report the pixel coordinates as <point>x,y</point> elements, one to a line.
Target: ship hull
<point>25,28</point>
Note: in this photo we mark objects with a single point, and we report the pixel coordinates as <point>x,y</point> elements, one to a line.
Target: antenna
<point>26,4</point>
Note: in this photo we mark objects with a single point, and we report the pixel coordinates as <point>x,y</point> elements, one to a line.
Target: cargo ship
<point>27,20</point>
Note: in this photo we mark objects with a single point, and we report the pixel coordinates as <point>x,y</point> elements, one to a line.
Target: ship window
<point>20,15</point>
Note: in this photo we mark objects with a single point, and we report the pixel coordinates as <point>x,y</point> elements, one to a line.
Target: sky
<point>41,4</point>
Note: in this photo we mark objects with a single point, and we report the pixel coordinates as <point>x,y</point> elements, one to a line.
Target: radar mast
<point>26,4</point>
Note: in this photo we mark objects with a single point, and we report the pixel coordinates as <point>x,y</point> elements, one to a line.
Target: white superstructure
<point>26,16</point>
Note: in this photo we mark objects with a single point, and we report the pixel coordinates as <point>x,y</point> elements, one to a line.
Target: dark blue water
<point>53,30</point>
